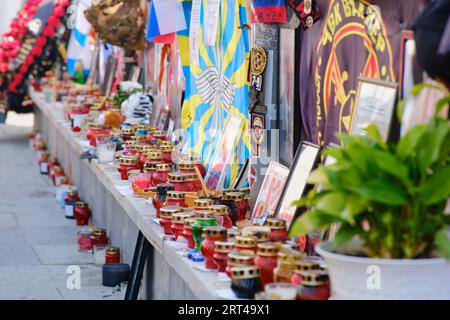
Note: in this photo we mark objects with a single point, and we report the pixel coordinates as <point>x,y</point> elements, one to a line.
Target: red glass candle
<point>193,182</point>
<point>58,173</point>
<point>221,251</point>
<point>161,196</point>
<point>99,237</point>
<point>167,154</point>
<point>187,167</point>
<point>315,286</point>
<point>150,156</point>
<point>179,222</point>
<point>162,174</point>
<point>139,180</point>
<point>239,259</point>
<point>126,164</point>
<point>76,116</point>
<point>211,235</point>
<point>130,148</point>
<point>266,260</point>
<point>84,240</point>
<point>176,198</point>
<point>178,180</point>
<point>52,162</point>
<point>69,203</point>
<point>222,216</point>
<point>197,160</point>
<point>278,231</point>
<point>112,255</point>
<point>187,233</point>
<point>203,204</point>
<point>245,243</point>
<point>126,134</point>
<point>82,213</point>
<point>241,203</point>
<point>93,132</point>
<point>166,216</point>
<point>43,162</point>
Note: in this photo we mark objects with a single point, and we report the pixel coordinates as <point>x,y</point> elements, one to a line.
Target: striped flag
<point>269,11</point>
<point>166,17</point>
<point>78,48</point>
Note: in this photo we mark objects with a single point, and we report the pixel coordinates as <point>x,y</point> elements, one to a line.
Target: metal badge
<point>258,61</point>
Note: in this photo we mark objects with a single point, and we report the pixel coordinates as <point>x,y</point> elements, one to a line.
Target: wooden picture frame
<point>375,103</point>
<point>224,152</point>
<point>270,192</point>
<point>243,175</point>
<point>305,160</point>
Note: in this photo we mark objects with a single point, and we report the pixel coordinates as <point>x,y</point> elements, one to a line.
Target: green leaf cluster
<point>391,196</point>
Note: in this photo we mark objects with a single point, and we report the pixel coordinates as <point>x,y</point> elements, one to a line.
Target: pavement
<point>37,243</point>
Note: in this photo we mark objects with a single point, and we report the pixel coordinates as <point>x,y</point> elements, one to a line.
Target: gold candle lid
<point>262,234</point>
<point>191,177</point>
<point>307,265</point>
<point>81,204</point>
<point>130,144</point>
<point>215,232</point>
<point>176,177</point>
<point>240,258</point>
<point>72,192</point>
<point>165,148</point>
<point>275,224</point>
<point>95,126</point>
<point>245,241</point>
<point>168,212</point>
<point>175,195</point>
<point>292,256</point>
<point>223,246</point>
<point>219,209</point>
<point>249,272</point>
<point>112,250</point>
<point>128,160</point>
<point>206,214</point>
<point>154,155</point>
<point>181,218</point>
<point>314,278</point>
<point>186,165</point>
<point>99,232</point>
<point>267,249</point>
<point>150,166</point>
<point>233,233</point>
<point>203,203</point>
<point>127,131</point>
<point>164,167</point>
<point>235,196</point>
<point>58,169</point>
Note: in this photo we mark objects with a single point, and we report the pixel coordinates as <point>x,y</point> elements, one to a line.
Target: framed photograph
<point>135,73</point>
<point>242,178</point>
<point>224,152</point>
<point>305,161</point>
<point>162,118</point>
<point>375,103</point>
<point>110,73</point>
<point>270,192</point>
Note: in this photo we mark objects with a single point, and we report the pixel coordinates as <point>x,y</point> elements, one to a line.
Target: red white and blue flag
<point>269,11</point>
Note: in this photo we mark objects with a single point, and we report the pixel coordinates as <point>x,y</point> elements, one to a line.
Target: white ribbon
<point>194,32</point>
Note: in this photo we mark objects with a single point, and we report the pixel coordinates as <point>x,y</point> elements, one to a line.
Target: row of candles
<point>255,257</point>
<point>261,261</point>
<point>92,239</point>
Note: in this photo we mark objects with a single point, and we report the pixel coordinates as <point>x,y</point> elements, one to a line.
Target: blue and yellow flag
<point>218,84</point>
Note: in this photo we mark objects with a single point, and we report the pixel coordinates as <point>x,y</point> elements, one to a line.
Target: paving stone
<point>15,250</point>
<point>29,293</point>
<point>7,220</point>
<point>37,243</point>
<point>62,254</point>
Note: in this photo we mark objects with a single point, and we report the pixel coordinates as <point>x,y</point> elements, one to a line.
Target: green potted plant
<point>388,201</point>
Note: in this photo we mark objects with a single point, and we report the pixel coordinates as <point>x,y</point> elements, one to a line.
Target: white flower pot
<point>355,278</point>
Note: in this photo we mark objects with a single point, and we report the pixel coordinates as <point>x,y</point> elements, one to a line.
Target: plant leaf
<point>332,203</point>
<point>344,235</point>
<point>442,242</point>
<point>442,103</point>
<point>303,224</point>
<point>390,164</point>
<point>408,143</point>
<point>382,192</point>
<point>437,187</point>
<point>374,133</point>
<point>354,206</point>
